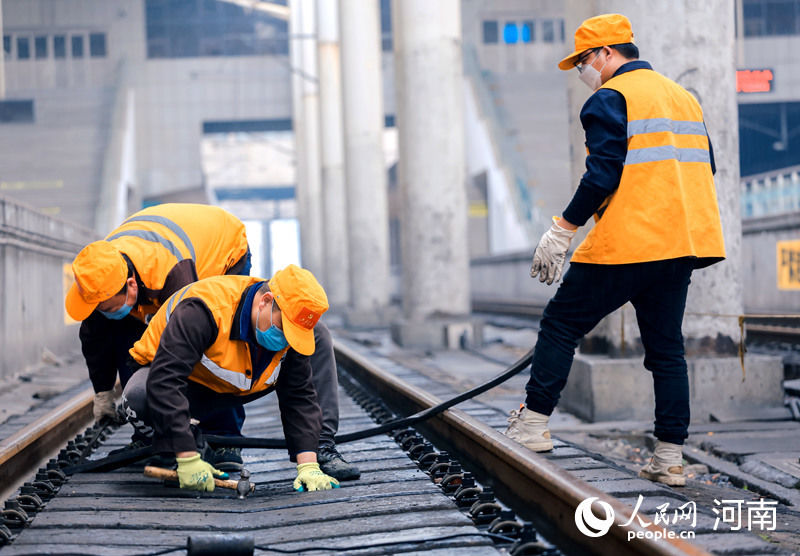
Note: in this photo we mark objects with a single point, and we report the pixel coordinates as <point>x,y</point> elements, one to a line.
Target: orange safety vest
<point>666,204</point>
<point>158,237</point>
<point>226,366</point>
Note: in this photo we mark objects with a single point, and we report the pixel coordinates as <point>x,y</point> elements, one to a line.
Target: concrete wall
<point>505,277</point>
<point>760,262</point>
<point>34,249</point>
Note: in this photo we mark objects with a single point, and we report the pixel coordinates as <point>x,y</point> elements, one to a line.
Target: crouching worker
<point>222,342</point>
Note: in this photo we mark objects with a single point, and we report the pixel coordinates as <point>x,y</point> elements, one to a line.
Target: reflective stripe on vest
<point>176,298</point>
<point>150,236</point>
<point>656,125</point>
<point>666,152</point>
<point>167,223</point>
<point>234,378</point>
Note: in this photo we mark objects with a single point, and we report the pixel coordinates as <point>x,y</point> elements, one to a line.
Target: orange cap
<point>601,30</point>
<point>302,301</point>
<point>100,272</point>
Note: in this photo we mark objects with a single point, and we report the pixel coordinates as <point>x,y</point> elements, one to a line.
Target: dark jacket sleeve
<point>105,344</point>
<point>605,122</point>
<point>182,274</point>
<point>300,413</point>
<point>190,331</point>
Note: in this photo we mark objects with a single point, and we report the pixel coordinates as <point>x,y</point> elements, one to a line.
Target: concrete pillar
<point>305,110</point>
<point>334,196</point>
<point>431,172</point>
<point>365,171</point>
<point>692,43</point>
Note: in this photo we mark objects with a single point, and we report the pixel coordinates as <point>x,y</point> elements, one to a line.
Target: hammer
<point>243,486</point>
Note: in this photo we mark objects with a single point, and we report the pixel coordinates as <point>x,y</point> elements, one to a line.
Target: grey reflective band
<point>150,236</point>
<point>656,154</point>
<point>167,223</point>
<point>234,378</point>
<point>656,125</point>
<point>175,298</point>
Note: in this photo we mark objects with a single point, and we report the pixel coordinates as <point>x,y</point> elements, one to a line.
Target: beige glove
<point>104,405</point>
<point>550,254</point>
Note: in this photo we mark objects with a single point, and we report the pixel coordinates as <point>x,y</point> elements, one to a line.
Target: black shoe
<point>166,461</point>
<point>332,463</point>
<point>134,444</point>
<point>226,459</point>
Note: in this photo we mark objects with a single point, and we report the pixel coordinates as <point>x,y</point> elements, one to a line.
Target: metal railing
<point>771,193</point>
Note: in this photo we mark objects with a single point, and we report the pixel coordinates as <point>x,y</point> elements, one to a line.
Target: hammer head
<point>244,486</point>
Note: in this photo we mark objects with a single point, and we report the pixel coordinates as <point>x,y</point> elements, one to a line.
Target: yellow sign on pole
<point>788,264</point>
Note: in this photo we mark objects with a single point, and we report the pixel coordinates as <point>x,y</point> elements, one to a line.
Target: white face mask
<point>591,76</point>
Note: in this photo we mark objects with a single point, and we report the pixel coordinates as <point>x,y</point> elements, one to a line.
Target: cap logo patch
<point>307,318</point>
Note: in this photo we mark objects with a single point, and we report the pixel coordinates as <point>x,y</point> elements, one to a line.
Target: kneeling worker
<point>123,280</point>
<point>223,342</point>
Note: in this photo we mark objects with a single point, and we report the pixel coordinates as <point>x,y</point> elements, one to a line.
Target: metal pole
<point>2,59</point>
<point>312,221</point>
<point>295,63</point>
<point>334,196</point>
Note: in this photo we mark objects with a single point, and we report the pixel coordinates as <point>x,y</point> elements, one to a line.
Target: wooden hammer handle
<point>172,475</point>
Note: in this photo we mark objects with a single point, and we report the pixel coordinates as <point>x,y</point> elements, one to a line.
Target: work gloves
<point>550,254</point>
<point>196,474</point>
<point>310,477</point>
<point>104,406</point>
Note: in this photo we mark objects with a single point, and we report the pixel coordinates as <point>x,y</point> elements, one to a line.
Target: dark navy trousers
<point>657,290</point>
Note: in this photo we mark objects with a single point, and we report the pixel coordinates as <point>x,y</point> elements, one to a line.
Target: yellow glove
<point>196,474</point>
<point>310,477</point>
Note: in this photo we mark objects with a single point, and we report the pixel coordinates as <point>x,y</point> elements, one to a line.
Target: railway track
<point>453,485</point>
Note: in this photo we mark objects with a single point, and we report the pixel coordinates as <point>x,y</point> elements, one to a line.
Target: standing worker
<point>121,281</point>
<point>649,182</point>
<point>223,342</point>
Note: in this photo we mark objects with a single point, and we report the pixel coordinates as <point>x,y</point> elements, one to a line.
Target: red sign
<point>754,81</point>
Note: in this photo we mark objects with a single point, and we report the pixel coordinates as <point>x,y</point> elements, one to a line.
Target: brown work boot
<point>529,429</point>
<point>666,465</point>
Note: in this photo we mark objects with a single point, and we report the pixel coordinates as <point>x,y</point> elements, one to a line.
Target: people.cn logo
<point>588,523</point>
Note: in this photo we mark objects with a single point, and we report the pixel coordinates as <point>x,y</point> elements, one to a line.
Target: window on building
<point>97,45</point>
<point>386,25</point>
<point>40,47</point>
<point>59,46</point>
<point>768,136</point>
<point>561,27</point>
<point>548,30</point>
<point>23,48</point>
<point>510,32</point>
<point>16,111</point>
<point>7,44</point>
<point>191,28</point>
<point>527,32</point>
<point>771,17</point>
<point>77,46</point>
<point>490,32</point>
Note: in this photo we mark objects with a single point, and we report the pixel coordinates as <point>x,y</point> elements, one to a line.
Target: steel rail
<point>22,452</point>
<point>528,483</point>
<point>508,307</point>
<point>774,331</point>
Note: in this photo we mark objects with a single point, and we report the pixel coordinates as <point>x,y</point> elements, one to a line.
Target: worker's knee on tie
<point>134,396</point>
